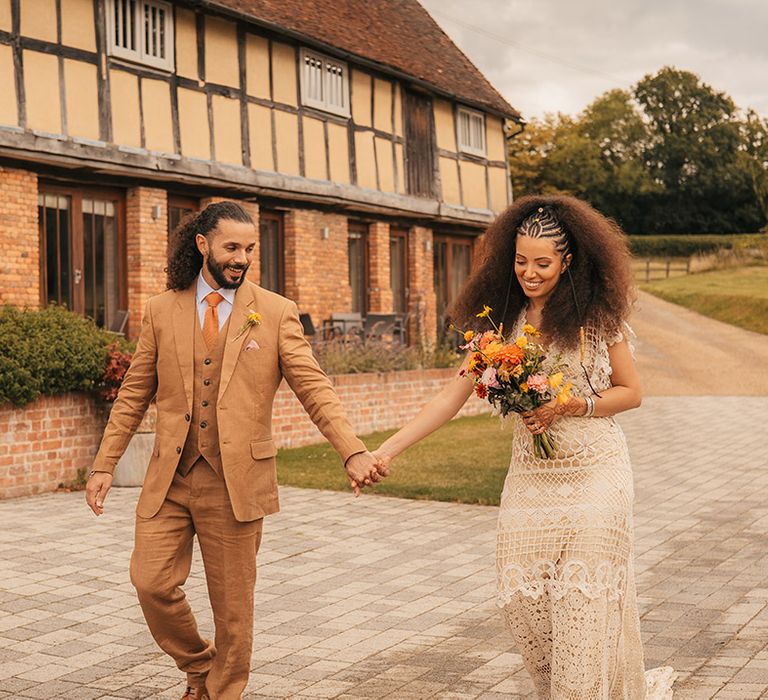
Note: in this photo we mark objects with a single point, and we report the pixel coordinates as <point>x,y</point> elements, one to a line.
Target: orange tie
<point>211,319</point>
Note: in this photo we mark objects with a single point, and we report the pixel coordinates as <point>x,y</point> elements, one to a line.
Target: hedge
<point>51,351</point>
<point>683,246</point>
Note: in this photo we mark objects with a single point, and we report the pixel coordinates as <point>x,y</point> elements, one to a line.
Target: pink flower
<point>539,383</point>
<point>489,377</point>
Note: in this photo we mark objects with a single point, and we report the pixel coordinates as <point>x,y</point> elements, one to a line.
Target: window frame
<point>360,230</point>
<point>76,195</point>
<point>451,243</point>
<point>323,105</point>
<point>468,147</point>
<point>279,218</point>
<point>138,55</point>
<point>402,234</point>
<point>190,205</point>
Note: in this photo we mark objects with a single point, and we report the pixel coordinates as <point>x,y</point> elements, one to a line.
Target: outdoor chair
<point>119,322</point>
<point>380,326</point>
<point>346,326</point>
<point>307,325</point>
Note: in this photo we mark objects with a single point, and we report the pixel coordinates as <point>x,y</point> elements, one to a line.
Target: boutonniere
<point>252,318</point>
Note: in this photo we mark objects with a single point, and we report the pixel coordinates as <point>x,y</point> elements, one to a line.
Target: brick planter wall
<point>44,444</point>
<point>372,402</point>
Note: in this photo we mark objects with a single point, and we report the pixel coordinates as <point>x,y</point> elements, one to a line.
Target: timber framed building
<point>368,148</point>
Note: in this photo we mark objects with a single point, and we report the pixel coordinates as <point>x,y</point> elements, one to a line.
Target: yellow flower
<point>565,394</point>
<point>484,313</point>
<point>555,379</point>
<point>517,371</point>
<point>528,329</point>
<point>492,349</point>
<point>521,342</point>
<point>468,336</point>
<point>524,387</point>
<point>252,318</point>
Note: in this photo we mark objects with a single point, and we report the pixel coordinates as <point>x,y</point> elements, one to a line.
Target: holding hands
<point>365,469</point>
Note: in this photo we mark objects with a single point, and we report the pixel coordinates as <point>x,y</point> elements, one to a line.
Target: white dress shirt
<point>224,308</point>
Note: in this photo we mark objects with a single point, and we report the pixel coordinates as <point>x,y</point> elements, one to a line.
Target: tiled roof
<point>398,34</point>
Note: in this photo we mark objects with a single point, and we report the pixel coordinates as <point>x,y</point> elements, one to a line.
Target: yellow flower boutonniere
<point>253,318</point>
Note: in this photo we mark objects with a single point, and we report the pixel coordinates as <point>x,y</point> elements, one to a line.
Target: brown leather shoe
<point>195,694</point>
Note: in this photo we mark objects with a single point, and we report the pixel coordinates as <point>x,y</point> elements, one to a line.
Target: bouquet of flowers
<point>510,373</point>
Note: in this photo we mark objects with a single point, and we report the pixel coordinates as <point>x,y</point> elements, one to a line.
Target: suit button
<point>207,361</point>
<point>178,450</point>
<point>207,382</point>
<point>204,404</point>
<point>187,417</point>
<point>203,424</point>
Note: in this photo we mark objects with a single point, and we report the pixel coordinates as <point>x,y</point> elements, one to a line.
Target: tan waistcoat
<point>203,436</point>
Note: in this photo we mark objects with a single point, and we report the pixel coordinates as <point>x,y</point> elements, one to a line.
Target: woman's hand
<point>539,419</point>
<point>384,460</point>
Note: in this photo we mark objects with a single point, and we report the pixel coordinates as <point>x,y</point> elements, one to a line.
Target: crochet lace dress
<point>565,550</point>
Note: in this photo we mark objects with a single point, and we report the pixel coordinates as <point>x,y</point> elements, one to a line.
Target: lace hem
<point>558,579</point>
<point>659,683</point>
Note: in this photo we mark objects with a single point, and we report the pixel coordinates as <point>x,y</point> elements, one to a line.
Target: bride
<point>565,534</point>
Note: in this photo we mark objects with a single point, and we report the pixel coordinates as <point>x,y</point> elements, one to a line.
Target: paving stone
<point>405,609</point>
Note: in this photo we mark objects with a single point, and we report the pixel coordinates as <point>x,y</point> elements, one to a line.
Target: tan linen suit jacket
<point>251,372</point>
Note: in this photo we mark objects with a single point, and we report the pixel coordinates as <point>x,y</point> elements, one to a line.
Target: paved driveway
<point>381,597</point>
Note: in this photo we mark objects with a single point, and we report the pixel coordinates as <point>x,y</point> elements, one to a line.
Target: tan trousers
<point>198,503</point>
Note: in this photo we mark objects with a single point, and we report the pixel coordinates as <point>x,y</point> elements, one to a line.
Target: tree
<point>693,154</point>
<point>673,156</point>
<point>755,156</point>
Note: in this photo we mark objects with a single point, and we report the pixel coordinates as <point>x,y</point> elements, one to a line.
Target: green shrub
<point>51,351</point>
<point>683,246</point>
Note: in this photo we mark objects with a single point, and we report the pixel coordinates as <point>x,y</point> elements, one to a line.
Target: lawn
<point>465,462</point>
<point>737,295</point>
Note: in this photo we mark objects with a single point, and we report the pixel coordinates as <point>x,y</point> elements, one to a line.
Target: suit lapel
<point>184,336</point>
<point>244,302</point>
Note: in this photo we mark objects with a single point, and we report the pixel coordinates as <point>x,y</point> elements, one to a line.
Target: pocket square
<point>252,345</point>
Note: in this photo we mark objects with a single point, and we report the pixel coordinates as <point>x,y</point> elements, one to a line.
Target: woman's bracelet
<point>590,407</point>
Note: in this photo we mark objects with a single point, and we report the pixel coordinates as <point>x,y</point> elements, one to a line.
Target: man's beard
<point>217,272</point>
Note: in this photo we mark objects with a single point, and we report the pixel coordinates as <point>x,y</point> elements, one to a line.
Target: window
<point>82,258</point>
<point>452,265</point>
<point>178,209</point>
<point>358,266</point>
<point>271,260</point>
<point>471,131</point>
<point>141,31</point>
<point>398,269</point>
<point>324,83</point>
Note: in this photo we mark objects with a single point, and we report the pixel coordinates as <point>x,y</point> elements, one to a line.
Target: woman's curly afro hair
<point>603,282</point>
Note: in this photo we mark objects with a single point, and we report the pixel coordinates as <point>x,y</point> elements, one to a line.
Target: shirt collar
<point>204,289</point>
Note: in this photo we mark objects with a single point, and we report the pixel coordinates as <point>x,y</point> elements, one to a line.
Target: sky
<point>558,55</point>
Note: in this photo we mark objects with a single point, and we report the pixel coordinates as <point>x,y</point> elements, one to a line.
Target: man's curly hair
<point>603,282</point>
<point>184,259</point>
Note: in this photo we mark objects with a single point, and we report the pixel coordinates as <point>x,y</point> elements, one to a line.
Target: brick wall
<point>19,239</point>
<point>422,302</point>
<point>372,402</point>
<point>146,244</point>
<point>379,281</point>
<point>44,444</point>
<point>317,268</point>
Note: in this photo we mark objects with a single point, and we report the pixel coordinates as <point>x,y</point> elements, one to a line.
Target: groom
<point>212,351</point>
